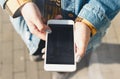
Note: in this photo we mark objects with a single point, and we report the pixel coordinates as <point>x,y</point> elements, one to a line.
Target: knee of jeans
<point>19,24</point>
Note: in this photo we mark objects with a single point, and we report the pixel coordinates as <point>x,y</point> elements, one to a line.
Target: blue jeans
<point>32,42</point>
<point>22,29</point>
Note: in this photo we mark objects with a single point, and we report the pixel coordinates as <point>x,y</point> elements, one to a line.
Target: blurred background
<point>104,62</point>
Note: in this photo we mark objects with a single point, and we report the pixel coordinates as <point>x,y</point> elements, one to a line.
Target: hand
<point>82,37</point>
<point>44,49</point>
<point>33,18</point>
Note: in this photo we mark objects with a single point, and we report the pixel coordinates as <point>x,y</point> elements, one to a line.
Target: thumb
<point>79,53</point>
<point>58,17</point>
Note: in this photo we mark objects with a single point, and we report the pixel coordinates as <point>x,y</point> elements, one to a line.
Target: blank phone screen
<point>60,44</point>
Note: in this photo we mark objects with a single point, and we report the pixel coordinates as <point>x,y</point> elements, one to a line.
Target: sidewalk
<point>105,60</point>
<point>14,58</point>
<point>15,64</point>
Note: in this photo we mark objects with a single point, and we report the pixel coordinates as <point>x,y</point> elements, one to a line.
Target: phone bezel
<point>59,67</point>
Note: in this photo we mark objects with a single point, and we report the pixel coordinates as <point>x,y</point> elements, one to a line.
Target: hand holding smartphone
<point>60,53</point>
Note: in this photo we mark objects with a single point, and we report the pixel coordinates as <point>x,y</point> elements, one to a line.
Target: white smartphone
<point>60,52</point>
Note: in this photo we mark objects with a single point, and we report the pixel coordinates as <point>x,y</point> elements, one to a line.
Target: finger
<point>38,20</point>
<point>58,17</point>
<point>43,56</point>
<point>40,35</point>
<point>75,49</point>
<point>34,30</point>
<point>77,58</point>
<point>77,55</point>
<point>48,29</point>
<point>80,50</point>
<point>40,25</point>
<point>43,50</point>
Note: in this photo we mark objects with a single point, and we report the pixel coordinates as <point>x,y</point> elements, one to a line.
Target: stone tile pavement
<point>14,59</point>
<point>105,60</point>
<point>15,64</point>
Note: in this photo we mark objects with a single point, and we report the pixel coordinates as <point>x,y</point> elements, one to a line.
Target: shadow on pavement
<point>106,54</point>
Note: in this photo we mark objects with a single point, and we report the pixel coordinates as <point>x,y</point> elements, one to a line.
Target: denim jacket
<point>98,12</point>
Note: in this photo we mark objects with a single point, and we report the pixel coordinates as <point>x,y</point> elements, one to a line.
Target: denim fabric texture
<point>2,3</point>
<point>98,12</point>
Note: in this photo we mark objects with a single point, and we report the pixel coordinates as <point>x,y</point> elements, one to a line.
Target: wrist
<point>14,9</point>
<point>83,28</point>
<point>88,24</point>
<point>26,6</point>
<point>82,36</point>
<point>83,33</point>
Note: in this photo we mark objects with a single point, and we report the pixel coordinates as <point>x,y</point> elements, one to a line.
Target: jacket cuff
<point>95,16</point>
<point>14,9</point>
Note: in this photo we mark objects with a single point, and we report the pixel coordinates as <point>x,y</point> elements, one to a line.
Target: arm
<point>33,18</point>
<point>14,9</point>
<point>100,12</point>
<point>97,12</point>
<point>32,15</point>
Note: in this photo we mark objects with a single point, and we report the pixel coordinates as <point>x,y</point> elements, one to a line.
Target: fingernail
<point>77,58</point>
<point>43,51</point>
<point>48,31</point>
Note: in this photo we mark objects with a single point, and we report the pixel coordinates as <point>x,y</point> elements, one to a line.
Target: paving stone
<point>115,67</point>
<point>0,24</point>
<point>20,75</point>
<point>7,53</point>
<point>18,43</point>
<point>7,27</point>
<point>116,24</point>
<point>0,59</point>
<point>7,36</point>
<point>112,36</point>
<point>107,75</point>
<point>116,74</point>
<point>105,67</point>
<point>41,65</point>
<point>1,38</point>
<point>5,17</point>
<point>26,53</point>
<point>1,13</point>
<point>81,74</point>
<point>7,72</point>
<point>0,45</point>
<point>32,70</point>
<point>44,75</point>
<point>19,61</point>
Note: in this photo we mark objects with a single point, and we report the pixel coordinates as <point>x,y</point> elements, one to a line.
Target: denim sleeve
<point>100,12</point>
<point>2,3</point>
